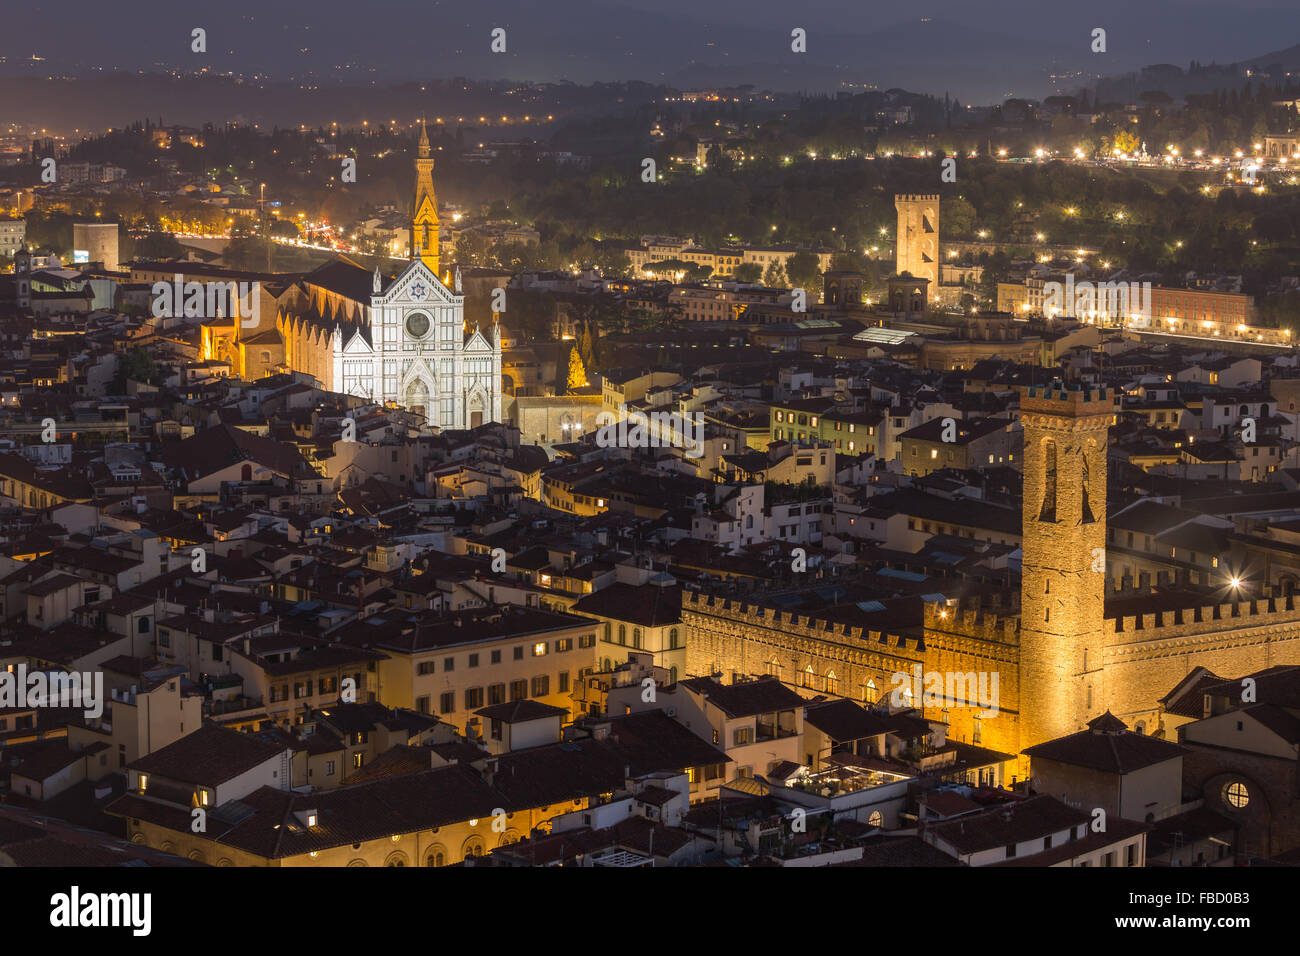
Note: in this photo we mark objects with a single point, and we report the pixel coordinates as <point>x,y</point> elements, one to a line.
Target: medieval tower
<point>917,240</point>
<point>1063,571</point>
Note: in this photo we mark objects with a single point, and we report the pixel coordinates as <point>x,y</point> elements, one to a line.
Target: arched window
<point>246,473</point>
<point>672,674</point>
<point>1048,512</point>
<point>622,634</point>
<point>672,638</point>
<point>875,820</point>
<point>636,637</point>
<point>473,847</point>
<point>437,856</point>
<point>396,858</point>
<point>832,683</point>
<point>607,629</point>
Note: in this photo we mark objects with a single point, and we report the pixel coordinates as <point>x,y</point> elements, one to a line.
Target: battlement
<point>978,620</point>
<point>915,197</point>
<point>793,623</point>
<point>1179,622</point>
<point>1057,398</point>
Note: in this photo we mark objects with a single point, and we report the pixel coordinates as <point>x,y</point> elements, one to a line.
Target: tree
<point>774,276</point>
<point>532,315</point>
<point>995,270</point>
<point>748,272</point>
<point>137,365</point>
<point>804,271</point>
<point>612,261</point>
<point>958,217</point>
<point>157,245</point>
<point>587,346</point>
<point>1126,142</point>
<point>472,249</point>
<point>577,377</point>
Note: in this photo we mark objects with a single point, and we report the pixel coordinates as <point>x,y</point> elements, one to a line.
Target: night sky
<point>978,50</point>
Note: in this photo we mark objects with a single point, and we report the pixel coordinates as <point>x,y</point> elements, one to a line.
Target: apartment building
<point>451,665</point>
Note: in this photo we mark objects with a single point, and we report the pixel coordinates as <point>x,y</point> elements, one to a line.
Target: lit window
<point>539,649</point>
<point>1236,794</point>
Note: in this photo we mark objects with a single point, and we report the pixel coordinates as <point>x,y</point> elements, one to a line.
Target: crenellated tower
<point>916,243</point>
<point>1063,579</point>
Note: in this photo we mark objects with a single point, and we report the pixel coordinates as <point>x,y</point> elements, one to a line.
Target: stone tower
<point>917,240</point>
<point>23,277</point>
<point>424,207</point>
<point>1063,579</point>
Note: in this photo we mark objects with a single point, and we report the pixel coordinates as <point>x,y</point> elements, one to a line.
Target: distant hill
<point>1283,61</point>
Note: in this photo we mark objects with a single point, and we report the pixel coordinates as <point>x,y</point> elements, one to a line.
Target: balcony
<point>775,726</point>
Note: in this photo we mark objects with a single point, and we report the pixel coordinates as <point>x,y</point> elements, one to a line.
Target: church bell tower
<point>424,207</point>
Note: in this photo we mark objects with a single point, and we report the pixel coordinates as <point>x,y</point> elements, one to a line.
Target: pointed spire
<point>424,139</point>
<point>378,283</point>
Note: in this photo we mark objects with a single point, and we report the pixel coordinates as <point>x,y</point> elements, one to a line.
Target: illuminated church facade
<point>400,339</point>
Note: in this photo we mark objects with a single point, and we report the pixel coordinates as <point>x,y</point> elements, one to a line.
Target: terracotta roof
<point>844,720</point>
<point>647,605</point>
<point>209,756</point>
<point>1012,822</point>
<point>220,447</point>
<point>746,698</point>
<point>1108,751</point>
<point>518,711</point>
